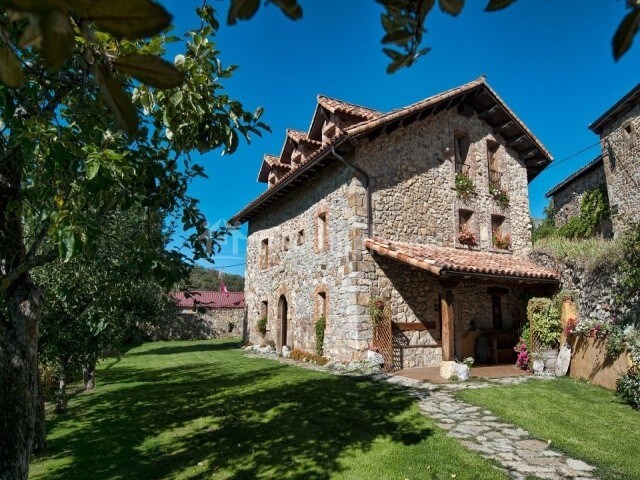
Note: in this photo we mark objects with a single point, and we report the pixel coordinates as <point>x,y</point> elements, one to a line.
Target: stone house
<point>203,314</point>
<point>567,195</point>
<point>364,208</point>
<point>619,132</point>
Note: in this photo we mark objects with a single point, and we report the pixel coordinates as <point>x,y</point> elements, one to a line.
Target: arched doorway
<point>283,311</point>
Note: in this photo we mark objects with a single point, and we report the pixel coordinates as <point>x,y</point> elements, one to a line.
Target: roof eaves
<point>592,165</point>
<point>632,96</point>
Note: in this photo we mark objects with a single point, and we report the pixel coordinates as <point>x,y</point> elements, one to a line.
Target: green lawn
<point>200,410</point>
<point>585,421</point>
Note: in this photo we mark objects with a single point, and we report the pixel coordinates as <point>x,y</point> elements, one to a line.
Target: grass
<point>202,410</point>
<point>590,252</point>
<point>583,420</point>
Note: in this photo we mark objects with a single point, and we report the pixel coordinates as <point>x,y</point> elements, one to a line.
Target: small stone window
<point>467,234</point>
<point>300,239</point>
<point>493,162</point>
<point>321,302</point>
<point>461,151</point>
<point>286,243</point>
<point>500,239</point>
<point>496,225</point>
<point>628,134</point>
<point>322,231</point>
<point>264,309</point>
<point>264,253</point>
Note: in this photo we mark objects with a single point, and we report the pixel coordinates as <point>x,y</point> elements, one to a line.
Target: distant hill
<point>209,279</point>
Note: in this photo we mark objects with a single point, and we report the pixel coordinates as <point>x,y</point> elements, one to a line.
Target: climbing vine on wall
<point>594,208</point>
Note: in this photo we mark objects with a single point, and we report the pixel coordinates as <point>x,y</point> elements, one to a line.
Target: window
<point>496,225</point>
<point>461,150</point>
<point>322,231</point>
<point>264,309</point>
<point>300,240</point>
<point>627,132</point>
<point>494,165</point>
<point>264,253</point>
<point>322,304</point>
<point>286,243</point>
<point>466,232</point>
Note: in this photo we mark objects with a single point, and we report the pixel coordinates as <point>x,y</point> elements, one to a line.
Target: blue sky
<point>549,60</point>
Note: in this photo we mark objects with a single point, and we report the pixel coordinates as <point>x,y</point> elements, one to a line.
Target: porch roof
<point>451,263</point>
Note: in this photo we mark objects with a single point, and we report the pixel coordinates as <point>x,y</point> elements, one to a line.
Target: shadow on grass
<point>259,419</point>
<point>199,347</point>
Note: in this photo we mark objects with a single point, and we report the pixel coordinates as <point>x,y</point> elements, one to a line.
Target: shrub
<point>628,388</point>
<point>376,311</point>
<point>262,326</point>
<point>544,319</point>
<point>302,356</point>
<point>321,324</point>
<point>464,186</point>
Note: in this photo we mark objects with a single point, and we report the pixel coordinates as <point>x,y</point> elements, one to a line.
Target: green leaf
<point>494,5</point>
<point>150,70</point>
<point>92,169</point>
<point>57,38</point>
<point>10,69</point>
<point>399,37</point>
<point>117,100</point>
<point>242,9</point>
<point>291,8</point>
<point>130,19</point>
<point>452,7</point>
<point>623,37</point>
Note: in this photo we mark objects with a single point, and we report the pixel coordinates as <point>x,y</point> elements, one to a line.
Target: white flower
<point>179,60</point>
<point>169,134</point>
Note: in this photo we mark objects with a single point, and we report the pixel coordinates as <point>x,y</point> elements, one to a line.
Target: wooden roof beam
<point>488,111</point>
<point>515,141</point>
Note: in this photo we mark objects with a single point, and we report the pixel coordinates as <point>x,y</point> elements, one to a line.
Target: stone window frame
<point>628,133</point>
<point>300,237</point>
<point>505,228</point>
<point>322,215</point>
<point>321,289</point>
<point>493,153</point>
<point>457,136</point>
<point>286,243</point>
<point>264,253</point>
<point>471,222</point>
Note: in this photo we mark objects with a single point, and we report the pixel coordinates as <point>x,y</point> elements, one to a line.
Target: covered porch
<point>452,303</point>
<point>485,372</point>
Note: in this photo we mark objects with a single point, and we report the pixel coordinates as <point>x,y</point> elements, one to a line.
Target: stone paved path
<point>520,455</point>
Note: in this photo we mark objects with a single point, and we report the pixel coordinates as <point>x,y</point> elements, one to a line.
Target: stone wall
<point>302,271</point>
<point>567,201</point>
<point>200,325</point>
<point>413,181</point>
<point>621,154</point>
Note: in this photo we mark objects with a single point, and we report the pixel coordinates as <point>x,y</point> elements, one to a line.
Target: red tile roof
<point>376,121</point>
<point>334,105</point>
<point>298,136</point>
<point>208,299</point>
<point>446,261</point>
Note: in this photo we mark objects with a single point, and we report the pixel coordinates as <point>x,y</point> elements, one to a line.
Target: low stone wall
<point>418,356</point>
<point>589,361</point>
<point>202,325</point>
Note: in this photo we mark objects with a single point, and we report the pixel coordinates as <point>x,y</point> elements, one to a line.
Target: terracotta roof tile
<point>334,105</point>
<point>444,261</point>
<point>299,136</point>
<point>208,299</point>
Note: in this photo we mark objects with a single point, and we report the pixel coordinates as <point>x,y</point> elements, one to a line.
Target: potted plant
<point>500,196</point>
<point>464,186</point>
<point>544,319</point>
<point>503,242</point>
<point>466,236</point>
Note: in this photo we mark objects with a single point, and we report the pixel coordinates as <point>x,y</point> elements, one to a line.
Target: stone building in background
<point>567,196</point>
<point>619,131</point>
<point>423,211</point>
<point>205,314</point>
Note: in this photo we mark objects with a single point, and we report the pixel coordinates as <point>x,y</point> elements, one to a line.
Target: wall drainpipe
<point>367,186</point>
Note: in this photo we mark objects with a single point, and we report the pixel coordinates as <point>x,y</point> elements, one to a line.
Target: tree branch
<point>24,267</point>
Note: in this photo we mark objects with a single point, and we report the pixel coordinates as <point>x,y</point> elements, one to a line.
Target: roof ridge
<point>574,176</point>
<point>321,96</point>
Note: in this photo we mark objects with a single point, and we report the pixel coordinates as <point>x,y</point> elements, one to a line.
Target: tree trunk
<point>18,330</point>
<point>40,430</point>
<point>61,400</point>
<point>89,376</point>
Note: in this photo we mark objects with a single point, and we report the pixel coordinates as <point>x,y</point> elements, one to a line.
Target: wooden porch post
<point>448,334</point>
